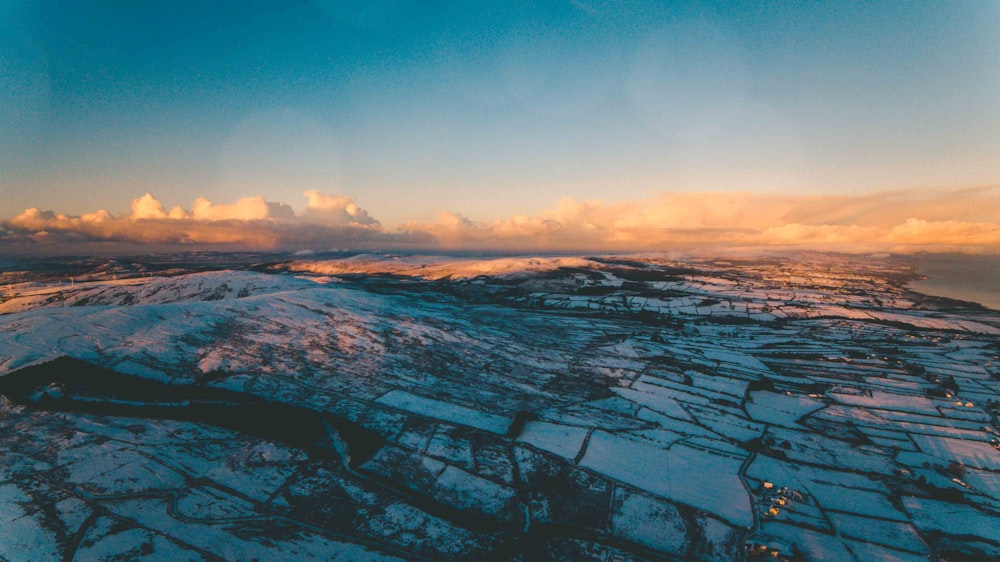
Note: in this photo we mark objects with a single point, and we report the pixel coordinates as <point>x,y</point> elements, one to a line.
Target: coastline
<point>974,278</point>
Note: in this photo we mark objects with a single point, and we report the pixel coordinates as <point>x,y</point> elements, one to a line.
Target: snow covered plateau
<point>379,407</point>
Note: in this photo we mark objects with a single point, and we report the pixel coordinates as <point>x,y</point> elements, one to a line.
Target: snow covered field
<point>601,408</point>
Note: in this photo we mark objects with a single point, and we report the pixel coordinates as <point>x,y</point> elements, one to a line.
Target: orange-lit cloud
<point>246,209</point>
<point>147,207</point>
<point>918,232</point>
<point>914,220</point>
<point>335,210</point>
<point>967,220</point>
<point>250,222</point>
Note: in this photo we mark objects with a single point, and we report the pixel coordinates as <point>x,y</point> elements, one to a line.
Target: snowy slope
<point>441,267</point>
<point>519,393</point>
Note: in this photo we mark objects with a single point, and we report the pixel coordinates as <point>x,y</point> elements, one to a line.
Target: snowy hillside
<point>586,408</point>
<point>441,267</point>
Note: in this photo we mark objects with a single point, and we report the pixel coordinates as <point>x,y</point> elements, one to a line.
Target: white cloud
<point>148,207</point>
<point>899,221</point>
<point>251,222</point>
<point>967,219</point>
<point>335,210</point>
<point>246,209</point>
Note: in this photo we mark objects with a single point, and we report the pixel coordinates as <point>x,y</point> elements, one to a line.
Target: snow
<point>467,491</point>
<point>206,286</point>
<point>445,411</point>
<point>951,518</point>
<point>795,476</point>
<point>818,449</point>
<point>812,544</point>
<point>210,503</point>
<point>440,267</point>
<point>563,440</point>
<point>225,540</point>
<point>701,479</point>
<point>438,353</point>
<point>25,536</point>
<point>109,469</point>
<point>900,536</point>
<point>780,409</point>
<point>412,529</point>
<point>837,496</point>
<point>655,398</point>
<point>451,446</point>
<point>865,551</point>
<point>73,512</point>
<point>648,521</point>
<point>889,401</point>
<point>982,481</point>
<point>235,463</point>
<point>935,323</point>
<point>728,424</point>
<point>733,358</point>
<point>106,539</point>
<point>976,454</point>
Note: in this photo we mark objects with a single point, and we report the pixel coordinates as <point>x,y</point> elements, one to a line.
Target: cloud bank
<point>900,221</point>
<point>249,223</point>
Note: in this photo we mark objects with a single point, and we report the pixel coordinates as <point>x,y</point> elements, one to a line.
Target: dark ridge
<point>641,264</point>
<point>948,304</point>
<point>270,267</point>
<point>67,384</point>
<point>647,274</point>
<point>520,419</point>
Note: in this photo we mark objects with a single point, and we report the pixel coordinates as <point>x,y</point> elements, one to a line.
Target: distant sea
<point>955,276</point>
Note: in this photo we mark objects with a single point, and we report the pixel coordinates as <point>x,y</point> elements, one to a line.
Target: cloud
<point>797,233</point>
<point>335,210</point>
<point>246,209</point>
<point>907,221</point>
<point>911,220</point>
<point>147,207</point>
<point>956,233</point>
<point>252,222</point>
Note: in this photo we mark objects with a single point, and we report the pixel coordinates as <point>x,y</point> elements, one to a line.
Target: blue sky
<point>490,109</point>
